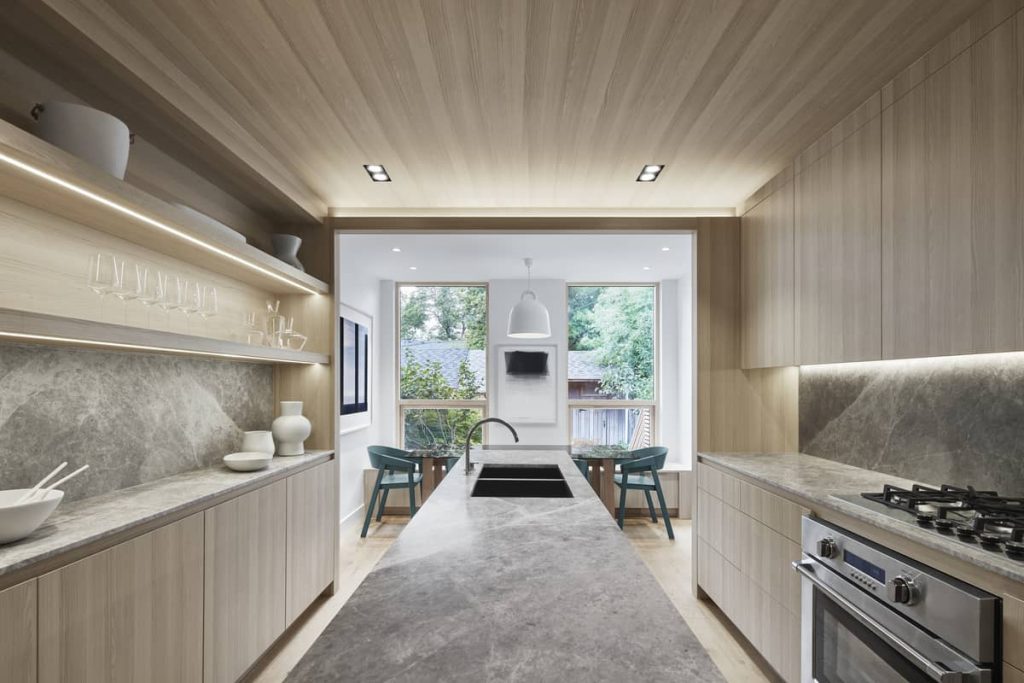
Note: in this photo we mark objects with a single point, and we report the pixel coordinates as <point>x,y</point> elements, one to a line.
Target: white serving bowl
<point>18,520</point>
<point>247,461</point>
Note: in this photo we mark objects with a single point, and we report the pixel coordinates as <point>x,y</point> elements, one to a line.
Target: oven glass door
<point>845,651</point>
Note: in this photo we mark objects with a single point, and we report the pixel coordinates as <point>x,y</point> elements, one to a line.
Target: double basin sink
<point>521,481</point>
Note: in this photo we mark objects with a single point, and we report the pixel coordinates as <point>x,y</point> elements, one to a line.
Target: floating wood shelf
<point>50,329</point>
<point>35,172</point>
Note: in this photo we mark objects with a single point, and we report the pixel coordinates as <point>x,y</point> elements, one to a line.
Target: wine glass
<point>255,334</point>
<point>208,308</point>
<point>192,297</point>
<point>149,287</point>
<point>129,282</point>
<point>168,297</point>
<point>101,273</point>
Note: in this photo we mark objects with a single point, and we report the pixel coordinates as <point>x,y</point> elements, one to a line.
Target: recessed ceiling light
<point>412,267</point>
<point>647,267</point>
<point>396,249</point>
<point>666,248</point>
<point>649,173</point>
<point>378,173</point>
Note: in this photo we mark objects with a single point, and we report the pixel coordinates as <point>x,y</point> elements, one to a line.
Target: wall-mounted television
<point>526,363</point>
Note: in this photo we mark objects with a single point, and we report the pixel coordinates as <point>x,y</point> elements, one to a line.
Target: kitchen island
<point>531,589</point>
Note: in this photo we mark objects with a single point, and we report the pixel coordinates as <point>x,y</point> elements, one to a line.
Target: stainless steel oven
<point>871,615</point>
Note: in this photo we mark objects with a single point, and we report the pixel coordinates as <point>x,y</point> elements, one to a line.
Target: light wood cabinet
<point>244,610</point>
<point>747,539</point>
<point>953,223</point>
<point>767,281</point>
<point>839,251</point>
<point>18,632</point>
<point>311,535</point>
<point>133,612</point>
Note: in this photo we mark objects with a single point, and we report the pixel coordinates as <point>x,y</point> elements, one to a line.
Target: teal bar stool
<point>641,473</point>
<point>583,466</point>
<point>395,471</point>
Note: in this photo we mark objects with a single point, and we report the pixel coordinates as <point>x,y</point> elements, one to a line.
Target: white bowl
<point>18,520</point>
<point>247,461</point>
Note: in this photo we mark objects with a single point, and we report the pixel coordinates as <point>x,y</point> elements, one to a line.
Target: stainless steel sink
<point>521,481</point>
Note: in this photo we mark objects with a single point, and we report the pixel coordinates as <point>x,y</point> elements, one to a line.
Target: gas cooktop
<point>985,518</point>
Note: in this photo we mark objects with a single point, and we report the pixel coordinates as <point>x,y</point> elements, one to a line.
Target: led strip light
<point>39,173</point>
<point>143,347</point>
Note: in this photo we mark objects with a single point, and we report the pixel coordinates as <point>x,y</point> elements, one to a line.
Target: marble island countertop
<point>90,521</point>
<point>831,485</point>
<point>497,589</point>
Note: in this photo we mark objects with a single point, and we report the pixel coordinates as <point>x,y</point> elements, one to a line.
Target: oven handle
<point>806,569</point>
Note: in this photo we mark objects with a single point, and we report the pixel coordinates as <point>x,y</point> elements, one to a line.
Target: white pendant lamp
<point>529,319</point>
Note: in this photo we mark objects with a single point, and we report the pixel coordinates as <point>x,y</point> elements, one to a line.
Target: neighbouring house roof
<point>583,365</point>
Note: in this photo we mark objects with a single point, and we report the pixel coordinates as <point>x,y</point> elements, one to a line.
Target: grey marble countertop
<point>89,521</point>
<point>504,589</point>
<point>827,484</point>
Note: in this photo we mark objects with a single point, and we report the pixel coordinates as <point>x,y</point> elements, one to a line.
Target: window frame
<point>404,404</point>
<point>656,373</point>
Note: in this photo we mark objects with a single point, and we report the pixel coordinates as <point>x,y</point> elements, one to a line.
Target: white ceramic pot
<point>258,442</point>
<point>223,231</point>
<point>291,429</point>
<point>286,248</point>
<point>18,520</point>
<point>90,134</point>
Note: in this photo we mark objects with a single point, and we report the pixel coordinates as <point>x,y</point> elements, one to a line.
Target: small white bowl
<point>18,520</point>
<point>247,461</point>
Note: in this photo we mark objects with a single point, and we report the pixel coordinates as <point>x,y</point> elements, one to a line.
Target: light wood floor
<point>669,562</point>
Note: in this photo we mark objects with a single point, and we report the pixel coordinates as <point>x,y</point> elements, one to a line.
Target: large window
<point>443,359</point>
<point>612,364</point>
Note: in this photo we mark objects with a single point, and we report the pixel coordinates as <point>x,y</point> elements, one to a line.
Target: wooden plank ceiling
<point>506,103</point>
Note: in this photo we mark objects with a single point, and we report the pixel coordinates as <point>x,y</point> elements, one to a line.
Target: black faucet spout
<point>472,430</point>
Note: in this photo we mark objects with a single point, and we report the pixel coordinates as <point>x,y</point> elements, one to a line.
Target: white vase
<point>286,248</point>
<point>258,442</point>
<point>291,429</point>
<point>90,134</point>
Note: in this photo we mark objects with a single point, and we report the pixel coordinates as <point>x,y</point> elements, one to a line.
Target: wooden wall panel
<point>737,410</point>
<point>130,613</point>
<point>838,251</point>
<point>953,222</point>
<point>18,632</point>
<point>767,281</point>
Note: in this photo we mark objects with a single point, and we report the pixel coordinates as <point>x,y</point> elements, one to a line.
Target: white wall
<point>674,416</point>
<point>366,294</point>
<point>502,295</point>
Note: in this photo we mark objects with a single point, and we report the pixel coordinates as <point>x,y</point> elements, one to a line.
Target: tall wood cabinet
<point>133,612</point>
<point>244,609</point>
<point>767,280</point>
<point>953,220</point>
<point>839,251</point>
<point>18,631</point>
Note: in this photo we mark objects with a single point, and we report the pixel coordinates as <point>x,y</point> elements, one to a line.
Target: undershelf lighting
<point>120,208</point>
<point>377,173</point>
<point>649,173</point>
<point>144,347</point>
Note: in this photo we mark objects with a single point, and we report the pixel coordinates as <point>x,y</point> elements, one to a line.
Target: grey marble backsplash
<point>131,417</point>
<point>956,420</point>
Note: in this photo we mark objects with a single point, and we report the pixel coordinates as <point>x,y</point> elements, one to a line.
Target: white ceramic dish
<point>18,520</point>
<point>223,231</point>
<point>247,461</point>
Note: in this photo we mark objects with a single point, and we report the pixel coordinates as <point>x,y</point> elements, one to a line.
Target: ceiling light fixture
<point>647,267</point>
<point>180,234</point>
<point>412,267</point>
<point>650,173</point>
<point>377,173</point>
<point>396,249</point>
<point>529,319</point>
<point>666,248</point>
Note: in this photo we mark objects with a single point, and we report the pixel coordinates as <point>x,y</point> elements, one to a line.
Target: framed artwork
<point>527,384</point>
<point>356,368</point>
